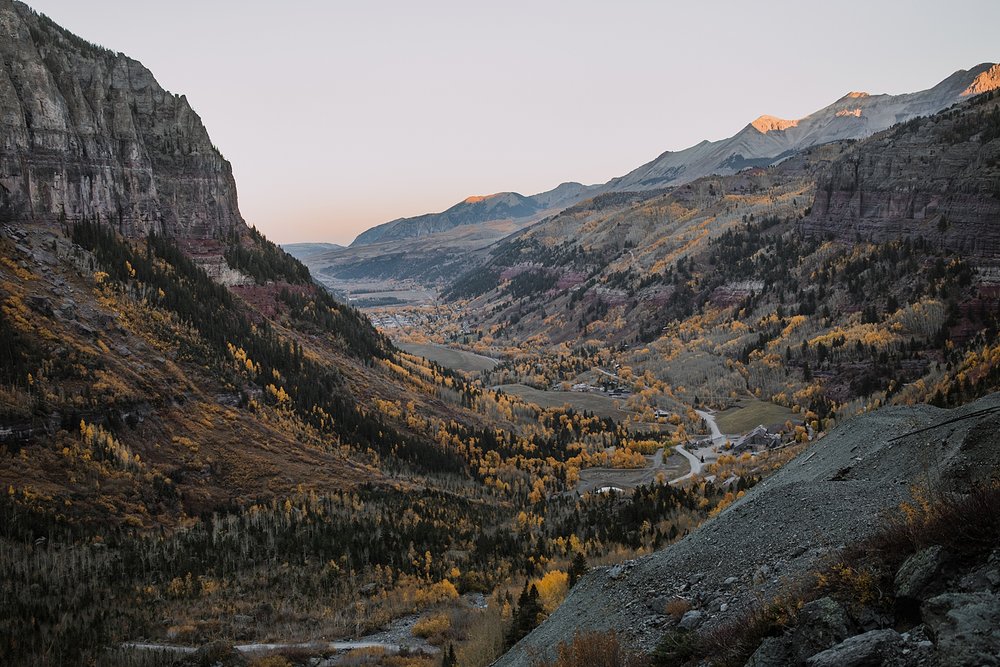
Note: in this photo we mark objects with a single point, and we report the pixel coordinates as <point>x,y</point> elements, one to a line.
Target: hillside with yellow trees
<point>738,287</point>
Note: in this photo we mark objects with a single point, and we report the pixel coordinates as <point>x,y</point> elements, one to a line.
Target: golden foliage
<point>430,626</point>
<point>552,589</point>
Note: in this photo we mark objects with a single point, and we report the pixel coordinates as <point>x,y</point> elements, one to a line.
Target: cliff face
<point>86,132</point>
<point>936,178</point>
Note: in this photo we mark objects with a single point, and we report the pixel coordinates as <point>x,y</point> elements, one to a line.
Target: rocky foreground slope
<point>771,541</point>
<point>87,132</point>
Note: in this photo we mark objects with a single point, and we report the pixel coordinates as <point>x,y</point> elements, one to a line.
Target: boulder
<point>692,619</point>
<point>772,652</point>
<point>918,572</point>
<point>871,649</point>
<point>966,627</point>
<point>820,625</point>
<point>40,305</point>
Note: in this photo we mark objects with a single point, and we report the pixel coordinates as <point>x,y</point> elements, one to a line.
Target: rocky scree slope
<point>87,132</point>
<point>935,177</point>
<point>832,495</point>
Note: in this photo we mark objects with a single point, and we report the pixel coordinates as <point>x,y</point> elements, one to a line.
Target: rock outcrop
<point>86,132</point>
<point>937,178</point>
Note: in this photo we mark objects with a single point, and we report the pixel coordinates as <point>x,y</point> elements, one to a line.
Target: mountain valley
<point>731,408</point>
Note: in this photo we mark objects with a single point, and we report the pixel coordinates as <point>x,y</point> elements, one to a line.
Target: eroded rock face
<point>937,178</point>
<point>88,132</point>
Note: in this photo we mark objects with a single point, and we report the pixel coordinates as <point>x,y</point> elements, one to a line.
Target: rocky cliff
<point>936,178</point>
<point>86,132</point>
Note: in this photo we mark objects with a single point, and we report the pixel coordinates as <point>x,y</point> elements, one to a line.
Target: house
<point>758,438</point>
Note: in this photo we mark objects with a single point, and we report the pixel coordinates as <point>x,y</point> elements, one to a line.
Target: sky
<point>338,116</point>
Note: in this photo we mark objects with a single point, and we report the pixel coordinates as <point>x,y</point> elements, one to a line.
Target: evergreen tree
<point>527,615</point>
<point>449,659</point>
<point>577,568</point>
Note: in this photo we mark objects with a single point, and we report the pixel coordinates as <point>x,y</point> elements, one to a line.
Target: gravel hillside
<point>832,494</point>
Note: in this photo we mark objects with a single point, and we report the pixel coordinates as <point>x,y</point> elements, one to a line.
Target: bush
<point>677,607</point>
<point>732,643</point>
<point>595,649</point>
<point>966,525</point>
<point>431,626</point>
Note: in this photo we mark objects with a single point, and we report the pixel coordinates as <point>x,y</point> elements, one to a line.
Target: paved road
<point>692,459</point>
<point>718,439</point>
<point>696,458</point>
<point>267,648</point>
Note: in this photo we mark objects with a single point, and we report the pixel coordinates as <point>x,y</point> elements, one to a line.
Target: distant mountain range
<point>767,139</point>
<point>762,142</point>
<point>479,209</point>
<point>302,250</point>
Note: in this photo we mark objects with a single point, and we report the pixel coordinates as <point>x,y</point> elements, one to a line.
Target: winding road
<point>267,648</point>
<point>692,459</point>
<point>718,439</point>
<point>696,459</point>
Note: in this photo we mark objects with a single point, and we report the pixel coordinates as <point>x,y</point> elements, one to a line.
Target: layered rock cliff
<point>86,132</point>
<point>936,178</point>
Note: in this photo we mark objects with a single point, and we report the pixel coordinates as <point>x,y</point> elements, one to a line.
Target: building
<point>758,438</point>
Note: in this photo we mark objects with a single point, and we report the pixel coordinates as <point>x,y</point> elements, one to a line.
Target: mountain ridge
<point>762,142</point>
<point>768,138</point>
<point>474,210</point>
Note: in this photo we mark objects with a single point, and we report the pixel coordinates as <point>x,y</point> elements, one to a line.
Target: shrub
<point>431,626</point>
<point>271,661</point>
<point>966,525</point>
<point>676,648</point>
<point>595,649</point>
<point>677,607</point>
<point>732,643</point>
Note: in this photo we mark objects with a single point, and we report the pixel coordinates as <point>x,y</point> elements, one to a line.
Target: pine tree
<point>449,659</point>
<point>577,568</point>
<point>527,616</point>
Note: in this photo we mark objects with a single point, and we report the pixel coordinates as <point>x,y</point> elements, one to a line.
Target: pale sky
<point>338,116</point>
